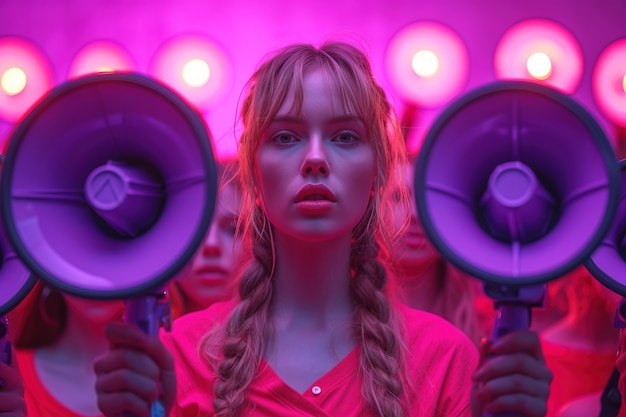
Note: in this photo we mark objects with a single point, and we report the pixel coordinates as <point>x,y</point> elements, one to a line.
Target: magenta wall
<point>247,29</point>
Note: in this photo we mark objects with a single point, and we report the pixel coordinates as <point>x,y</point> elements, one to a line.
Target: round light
<point>425,63</point>
<point>441,60</point>
<point>194,66</point>
<point>539,65</point>
<point>101,56</point>
<point>26,75</point>
<point>13,81</point>
<point>196,73</point>
<point>609,82</point>
<point>535,42</point>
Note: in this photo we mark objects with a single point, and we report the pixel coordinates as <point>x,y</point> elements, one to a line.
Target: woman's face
<point>413,250</point>
<point>213,266</point>
<point>316,169</point>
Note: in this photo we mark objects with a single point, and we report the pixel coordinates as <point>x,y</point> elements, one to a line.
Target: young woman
<point>314,330</point>
<point>429,282</point>
<point>213,268</point>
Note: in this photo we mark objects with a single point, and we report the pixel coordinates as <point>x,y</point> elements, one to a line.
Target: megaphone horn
<point>109,185</point>
<point>516,183</point>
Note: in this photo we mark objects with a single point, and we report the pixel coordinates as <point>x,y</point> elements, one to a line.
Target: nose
<point>212,245</point>
<point>315,161</point>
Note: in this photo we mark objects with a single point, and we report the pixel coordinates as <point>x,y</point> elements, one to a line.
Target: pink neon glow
<point>25,55</point>
<point>101,56</point>
<point>539,35</point>
<point>608,82</point>
<point>170,59</point>
<point>451,75</point>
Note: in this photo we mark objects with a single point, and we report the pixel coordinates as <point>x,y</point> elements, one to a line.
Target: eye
<point>346,138</point>
<point>284,138</point>
<point>229,224</point>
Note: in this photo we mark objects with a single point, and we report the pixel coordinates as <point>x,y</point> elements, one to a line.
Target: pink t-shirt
<point>441,360</point>
<point>39,401</point>
<point>575,373</point>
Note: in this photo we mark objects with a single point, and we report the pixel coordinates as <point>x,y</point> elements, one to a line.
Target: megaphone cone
<point>516,183</point>
<point>109,185</point>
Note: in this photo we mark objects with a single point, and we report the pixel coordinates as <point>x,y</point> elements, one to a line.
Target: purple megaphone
<point>109,186</point>
<point>516,184</point>
<point>108,189</point>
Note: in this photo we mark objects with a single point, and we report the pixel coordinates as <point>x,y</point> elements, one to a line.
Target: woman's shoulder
<point>432,337</point>
<point>440,360</point>
<point>420,323</point>
<point>189,328</point>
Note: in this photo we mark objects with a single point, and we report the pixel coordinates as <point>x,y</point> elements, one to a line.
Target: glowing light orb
<point>100,56</point>
<point>530,40</point>
<point>608,82</point>
<point>442,61</point>
<point>425,63</point>
<point>194,66</point>
<point>26,76</point>
<point>539,66</point>
<point>13,81</point>
<point>196,73</point>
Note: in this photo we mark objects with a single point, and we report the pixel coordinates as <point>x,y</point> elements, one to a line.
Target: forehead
<point>319,94</point>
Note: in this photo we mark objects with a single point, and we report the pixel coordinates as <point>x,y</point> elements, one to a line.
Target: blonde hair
<point>376,327</point>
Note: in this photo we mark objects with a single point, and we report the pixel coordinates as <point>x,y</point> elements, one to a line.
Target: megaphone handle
<point>510,317</point>
<point>5,344</point>
<point>148,313</point>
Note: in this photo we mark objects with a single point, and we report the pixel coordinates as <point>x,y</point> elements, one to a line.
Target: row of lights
<point>427,63</point>
<point>193,65</point>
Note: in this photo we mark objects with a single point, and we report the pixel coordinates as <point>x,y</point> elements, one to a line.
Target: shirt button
<point>316,390</point>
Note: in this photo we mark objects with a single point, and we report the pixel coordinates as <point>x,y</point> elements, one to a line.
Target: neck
<point>81,342</point>
<point>420,289</point>
<point>589,329</point>
<point>313,279</point>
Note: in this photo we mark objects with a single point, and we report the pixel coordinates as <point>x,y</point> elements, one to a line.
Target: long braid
<point>382,351</point>
<point>243,345</point>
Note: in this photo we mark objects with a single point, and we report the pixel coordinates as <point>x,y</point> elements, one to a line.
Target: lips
<point>212,273</point>
<point>315,192</point>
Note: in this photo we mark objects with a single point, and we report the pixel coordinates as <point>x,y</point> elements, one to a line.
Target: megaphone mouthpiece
<point>127,197</point>
<point>516,207</point>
